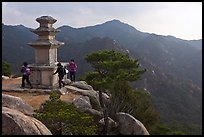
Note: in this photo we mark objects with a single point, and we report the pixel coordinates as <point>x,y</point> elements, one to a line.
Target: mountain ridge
<point>174,65</point>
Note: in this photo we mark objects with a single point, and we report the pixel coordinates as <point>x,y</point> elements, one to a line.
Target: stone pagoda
<point>45,54</point>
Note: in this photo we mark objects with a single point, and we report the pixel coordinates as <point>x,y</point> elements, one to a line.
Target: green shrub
<point>5,69</point>
<point>65,119</point>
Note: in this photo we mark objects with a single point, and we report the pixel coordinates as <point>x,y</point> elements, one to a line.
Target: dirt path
<point>33,99</point>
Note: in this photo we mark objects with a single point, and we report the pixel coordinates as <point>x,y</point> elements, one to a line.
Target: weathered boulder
<point>83,92</point>
<point>106,98</point>
<point>84,105</point>
<point>104,95</point>
<point>95,103</point>
<point>62,91</point>
<point>82,85</point>
<point>67,81</point>
<point>15,122</point>
<point>92,94</point>
<point>97,114</point>
<point>16,103</point>
<point>128,125</point>
<point>111,123</point>
<point>82,102</point>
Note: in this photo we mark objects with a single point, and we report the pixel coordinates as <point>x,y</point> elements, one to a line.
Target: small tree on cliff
<point>109,67</point>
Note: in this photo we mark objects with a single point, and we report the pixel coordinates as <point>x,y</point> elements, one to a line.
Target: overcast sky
<point>180,19</point>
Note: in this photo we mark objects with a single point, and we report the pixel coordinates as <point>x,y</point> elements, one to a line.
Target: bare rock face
<point>67,81</point>
<point>82,102</point>
<point>97,114</point>
<point>17,118</point>
<point>84,105</point>
<point>16,103</point>
<point>75,90</point>
<point>128,125</point>
<point>62,91</point>
<point>15,122</point>
<point>82,85</point>
<point>111,123</point>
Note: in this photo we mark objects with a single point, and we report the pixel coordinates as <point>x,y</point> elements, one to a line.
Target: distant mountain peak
<point>115,20</point>
<point>21,26</point>
<point>120,24</point>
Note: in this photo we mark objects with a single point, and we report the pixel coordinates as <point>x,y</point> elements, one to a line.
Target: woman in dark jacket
<point>60,72</point>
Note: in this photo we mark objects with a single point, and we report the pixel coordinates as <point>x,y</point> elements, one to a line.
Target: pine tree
<point>111,67</point>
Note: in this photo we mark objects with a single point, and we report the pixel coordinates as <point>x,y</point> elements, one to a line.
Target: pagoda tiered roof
<point>46,43</point>
<point>46,19</point>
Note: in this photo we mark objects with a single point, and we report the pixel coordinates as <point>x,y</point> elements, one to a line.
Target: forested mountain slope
<point>174,66</point>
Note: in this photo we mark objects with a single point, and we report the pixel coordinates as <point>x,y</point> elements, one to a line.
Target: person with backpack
<point>61,72</point>
<point>25,76</point>
<point>72,69</point>
<point>66,71</point>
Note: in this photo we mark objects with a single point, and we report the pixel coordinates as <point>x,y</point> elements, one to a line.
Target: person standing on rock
<point>26,73</point>
<point>72,69</point>
<point>60,71</point>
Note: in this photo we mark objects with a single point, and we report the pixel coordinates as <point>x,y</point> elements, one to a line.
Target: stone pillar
<point>45,54</point>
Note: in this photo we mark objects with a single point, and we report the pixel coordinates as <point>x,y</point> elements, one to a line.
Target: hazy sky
<point>180,19</point>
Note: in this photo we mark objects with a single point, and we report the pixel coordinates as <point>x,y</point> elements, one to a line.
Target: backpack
<point>27,71</point>
<point>64,71</point>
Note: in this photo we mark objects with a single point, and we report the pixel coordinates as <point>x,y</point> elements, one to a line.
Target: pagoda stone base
<point>42,77</point>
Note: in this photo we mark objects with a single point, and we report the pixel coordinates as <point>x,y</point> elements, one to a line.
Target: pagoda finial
<point>46,19</point>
